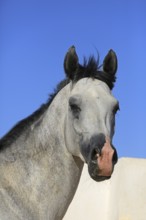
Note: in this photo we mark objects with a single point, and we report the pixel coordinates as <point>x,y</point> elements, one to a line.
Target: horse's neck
<point>44,133</point>
<point>44,162</point>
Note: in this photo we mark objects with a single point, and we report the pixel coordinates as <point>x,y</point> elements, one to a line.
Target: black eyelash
<point>75,110</point>
<point>75,107</point>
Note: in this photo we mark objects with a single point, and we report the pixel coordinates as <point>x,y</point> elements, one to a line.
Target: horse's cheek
<point>72,137</point>
<point>77,127</point>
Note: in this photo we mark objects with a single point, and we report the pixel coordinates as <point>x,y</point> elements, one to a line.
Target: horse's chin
<point>101,178</point>
<point>95,172</point>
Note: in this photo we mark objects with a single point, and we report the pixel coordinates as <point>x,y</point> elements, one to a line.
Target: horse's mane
<point>89,69</point>
<point>22,125</point>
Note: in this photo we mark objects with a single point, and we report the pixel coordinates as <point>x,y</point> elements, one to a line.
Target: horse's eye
<point>75,110</point>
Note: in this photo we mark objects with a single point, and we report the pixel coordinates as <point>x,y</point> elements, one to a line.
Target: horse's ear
<point>110,64</point>
<point>71,63</point>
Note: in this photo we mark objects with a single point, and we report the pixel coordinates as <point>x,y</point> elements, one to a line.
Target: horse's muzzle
<point>101,158</point>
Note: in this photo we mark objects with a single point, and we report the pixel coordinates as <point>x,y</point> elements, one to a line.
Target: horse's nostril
<point>115,157</point>
<point>96,152</point>
<point>94,155</point>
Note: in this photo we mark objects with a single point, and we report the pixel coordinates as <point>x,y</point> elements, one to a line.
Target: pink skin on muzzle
<point>105,159</point>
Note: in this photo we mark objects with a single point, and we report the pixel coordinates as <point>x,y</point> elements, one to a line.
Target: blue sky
<point>34,37</point>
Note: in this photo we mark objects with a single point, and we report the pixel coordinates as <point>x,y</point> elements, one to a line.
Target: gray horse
<point>42,157</point>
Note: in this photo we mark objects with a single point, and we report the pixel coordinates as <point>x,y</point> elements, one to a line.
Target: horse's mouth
<point>102,163</point>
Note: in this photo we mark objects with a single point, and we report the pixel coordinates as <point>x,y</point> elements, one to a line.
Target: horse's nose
<point>115,156</point>
<point>103,157</point>
<point>97,143</point>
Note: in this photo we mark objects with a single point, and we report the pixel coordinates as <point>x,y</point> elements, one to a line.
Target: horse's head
<point>91,113</point>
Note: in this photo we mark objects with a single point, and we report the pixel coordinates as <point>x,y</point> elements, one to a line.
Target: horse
<point>42,156</point>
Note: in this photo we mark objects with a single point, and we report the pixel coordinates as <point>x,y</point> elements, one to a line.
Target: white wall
<point>123,197</point>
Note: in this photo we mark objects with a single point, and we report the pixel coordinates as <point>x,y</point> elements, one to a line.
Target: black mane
<point>89,69</point>
<point>22,125</point>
